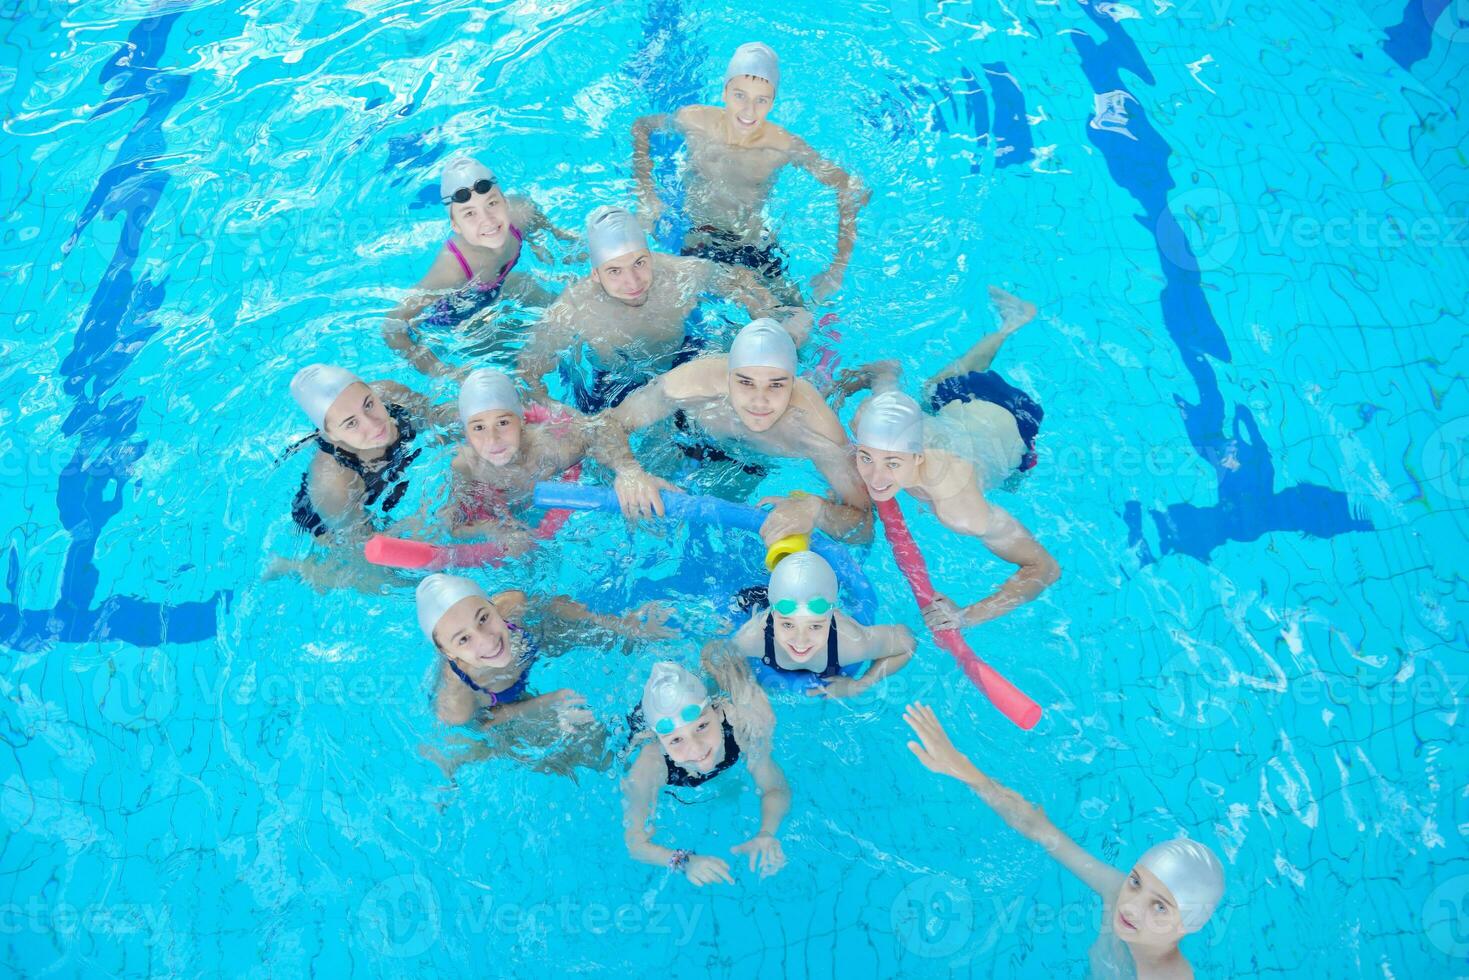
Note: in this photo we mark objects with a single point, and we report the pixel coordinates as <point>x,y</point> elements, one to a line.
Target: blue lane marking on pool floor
<point>118,321</point>
<point>1411,38</point>
<point>1248,504</point>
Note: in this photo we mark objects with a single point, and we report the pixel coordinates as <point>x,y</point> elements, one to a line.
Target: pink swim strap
<point>1012,702</point>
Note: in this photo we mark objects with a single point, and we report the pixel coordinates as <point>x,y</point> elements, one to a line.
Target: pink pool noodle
<point>1012,702</point>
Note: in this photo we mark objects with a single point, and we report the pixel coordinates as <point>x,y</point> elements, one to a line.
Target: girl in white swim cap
<point>367,436</point>
<point>803,630</point>
<point>734,156</point>
<point>476,262</point>
<point>688,738</point>
<point>489,645</point>
<point>511,445</point>
<point>1168,893</point>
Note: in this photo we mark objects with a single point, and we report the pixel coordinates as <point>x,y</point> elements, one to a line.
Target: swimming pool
<point>1251,270</point>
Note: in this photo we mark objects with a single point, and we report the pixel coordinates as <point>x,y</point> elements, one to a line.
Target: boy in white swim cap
<point>476,265</point>
<point>801,629</point>
<point>625,322</point>
<point>1170,891</point>
<point>753,395</point>
<point>489,645</point>
<point>688,738</point>
<point>980,431</point>
<point>366,438</point>
<point>734,155</point>
<point>511,444</point>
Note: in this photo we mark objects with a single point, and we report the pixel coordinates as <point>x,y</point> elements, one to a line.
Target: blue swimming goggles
<point>686,714</point>
<point>816,606</point>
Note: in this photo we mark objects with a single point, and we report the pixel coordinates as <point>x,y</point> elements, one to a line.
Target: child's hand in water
<point>637,492</point>
<point>648,622</point>
<point>765,849</point>
<point>825,284</point>
<point>943,614</point>
<point>797,322</point>
<point>937,753</point>
<point>571,709</point>
<point>704,870</point>
<point>790,515</point>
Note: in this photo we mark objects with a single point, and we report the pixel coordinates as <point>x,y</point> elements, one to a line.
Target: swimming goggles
<point>481,186</point>
<point>684,715</point>
<point>815,606</point>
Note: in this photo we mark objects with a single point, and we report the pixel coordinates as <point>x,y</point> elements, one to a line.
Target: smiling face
<point>473,632</point>
<point>886,472</point>
<point>494,435</point>
<point>358,421</point>
<point>747,101</point>
<point>1146,913</point>
<point>483,220</point>
<point>760,395</point>
<point>627,278</point>
<point>802,637</point>
<point>699,745</point>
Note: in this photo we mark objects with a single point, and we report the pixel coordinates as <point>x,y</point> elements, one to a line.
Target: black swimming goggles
<point>462,194</point>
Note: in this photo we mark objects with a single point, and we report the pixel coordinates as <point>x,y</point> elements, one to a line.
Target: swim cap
<point>762,343</point>
<point>754,59</point>
<point>462,172</point>
<point>612,232</point>
<point>670,690</point>
<point>437,593</point>
<point>890,421</point>
<point>1192,873</point>
<point>487,390</point>
<point>801,578</point>
<point>316,386</point>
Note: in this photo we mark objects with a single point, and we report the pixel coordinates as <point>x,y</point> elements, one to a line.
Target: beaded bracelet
<point>680,859</point>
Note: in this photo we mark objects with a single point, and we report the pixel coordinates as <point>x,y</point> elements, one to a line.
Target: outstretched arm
<point>1005,537</point>
<point>642,160</point>
<point>937,753</point>
<point>851,198</point>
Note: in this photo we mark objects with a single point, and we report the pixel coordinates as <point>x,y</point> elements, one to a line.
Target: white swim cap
<point>754,59</point>
<point>892,422</point>
<point>670,690</point>
<point>802,577</point>
<point>487,390</point>
<point>763,343</point>
<point>316,386</point>
<point>1192,873</point>
<point>460,173</point>
<point>612,232</point>
<point>437,593</point>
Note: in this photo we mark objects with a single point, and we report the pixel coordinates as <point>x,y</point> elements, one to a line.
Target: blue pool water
<point>1246,231</point>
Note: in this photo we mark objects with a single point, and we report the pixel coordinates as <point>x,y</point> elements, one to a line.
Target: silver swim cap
<point>487,390</point>
<point>612,232</point>
<point>437,593</point>
<point>754,59</point>
<point>460,173</point>
<point>669,693</point>
<point>763,343</point>
<point>1192,873</point>
<point>316,386</point>
<point>892,422</point>
<point>800,578</point>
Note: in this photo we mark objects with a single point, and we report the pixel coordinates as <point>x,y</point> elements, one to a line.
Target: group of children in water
<point>618,340</point>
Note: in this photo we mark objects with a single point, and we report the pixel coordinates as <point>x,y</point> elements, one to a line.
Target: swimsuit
<point>608,387</point>
<point>515,692</point>
<point>451,309</point>
<point>730,249</point>
<point>833,662</point>
<point>987,386</point>
<point>384,481</point>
